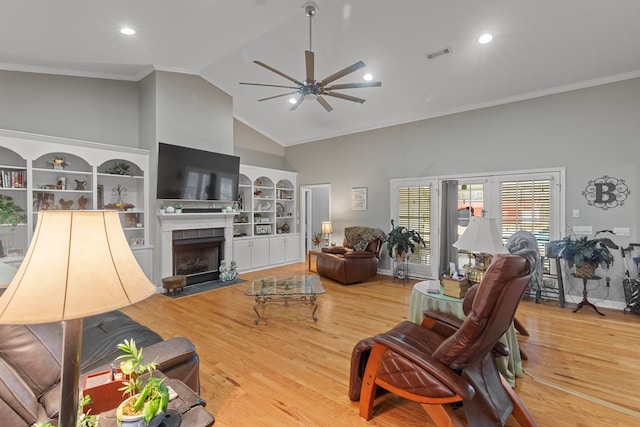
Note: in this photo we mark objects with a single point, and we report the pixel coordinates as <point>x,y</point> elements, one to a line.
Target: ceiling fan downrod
<point>310,9</point>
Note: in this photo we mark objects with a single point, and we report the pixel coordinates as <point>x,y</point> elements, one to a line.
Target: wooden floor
<point>583,369</point>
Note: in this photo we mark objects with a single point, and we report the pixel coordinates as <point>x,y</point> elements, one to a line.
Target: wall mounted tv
<point>190,174</point>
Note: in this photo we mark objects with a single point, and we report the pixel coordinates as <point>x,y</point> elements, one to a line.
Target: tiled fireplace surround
<point>190,221</point>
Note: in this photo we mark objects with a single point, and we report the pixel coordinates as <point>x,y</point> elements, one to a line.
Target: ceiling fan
<point>311,87</point>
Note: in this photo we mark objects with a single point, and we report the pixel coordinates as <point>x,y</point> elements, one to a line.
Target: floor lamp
<point>78,264</point>
<point>481,238</point>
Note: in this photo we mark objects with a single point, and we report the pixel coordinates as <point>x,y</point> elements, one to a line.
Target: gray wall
<point>592,132</point>
<point>191,111</point>
<point>256,149</point>
<point>97,110</point>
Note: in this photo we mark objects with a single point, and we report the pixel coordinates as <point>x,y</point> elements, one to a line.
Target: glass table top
<point>291,285</point>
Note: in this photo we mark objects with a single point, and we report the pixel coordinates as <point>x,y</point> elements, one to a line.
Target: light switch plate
<point>582,229</point>
<point>622,231</point>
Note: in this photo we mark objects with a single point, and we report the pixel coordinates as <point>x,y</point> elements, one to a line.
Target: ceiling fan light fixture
<point>367,77</point>
<point>127,31</point>
<point>310,88</point>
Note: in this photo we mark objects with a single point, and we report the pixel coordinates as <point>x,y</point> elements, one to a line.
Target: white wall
<point>592,132</point>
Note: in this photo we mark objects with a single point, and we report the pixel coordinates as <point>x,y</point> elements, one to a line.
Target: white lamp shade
<point>78,264</point>
<point>327,228</point>
<point>481,236</point>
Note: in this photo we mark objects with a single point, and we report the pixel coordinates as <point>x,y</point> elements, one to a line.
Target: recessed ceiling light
<point>485,38</point>
<point>127,31</point>
<point>367,77</point>
<point>293,101</point>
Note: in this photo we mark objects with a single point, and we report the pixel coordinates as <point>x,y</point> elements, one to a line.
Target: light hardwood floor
<point>583,369</point>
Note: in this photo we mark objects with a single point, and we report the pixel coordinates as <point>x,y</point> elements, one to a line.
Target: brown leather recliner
<point>347,265</point>
<point>446,360</point>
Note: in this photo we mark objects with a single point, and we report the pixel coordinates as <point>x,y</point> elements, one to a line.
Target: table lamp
<point>78,264</point>
<point>482,239</point>
<point>327,229</point>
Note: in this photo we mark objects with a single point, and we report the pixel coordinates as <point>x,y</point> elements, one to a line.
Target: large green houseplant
<point>583,253</point>
<point>10,213</point>
<point>402,241</point>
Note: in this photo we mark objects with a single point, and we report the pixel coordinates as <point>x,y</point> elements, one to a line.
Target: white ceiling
<point>540,47</point>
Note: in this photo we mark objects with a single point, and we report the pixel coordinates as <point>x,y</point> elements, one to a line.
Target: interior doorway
<point>315,207</point>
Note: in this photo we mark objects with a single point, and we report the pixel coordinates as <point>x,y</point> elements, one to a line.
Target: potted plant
<point>178,208</point>
<point>402,241</point>
<point>143,406</point>
<point>84,419</point>
<point>583,253</point>
<point>10,213</point>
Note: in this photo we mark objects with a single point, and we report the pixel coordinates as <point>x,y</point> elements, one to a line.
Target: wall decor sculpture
<point>606,192</point>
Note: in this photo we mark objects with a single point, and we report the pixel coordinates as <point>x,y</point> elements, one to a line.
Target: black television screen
<point>191,174</point>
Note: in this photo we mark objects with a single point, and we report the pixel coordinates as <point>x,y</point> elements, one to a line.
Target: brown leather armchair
<point>446,360</point>
<point>356,260</point>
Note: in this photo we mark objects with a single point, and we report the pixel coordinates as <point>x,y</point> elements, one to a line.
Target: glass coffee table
<point>286,289</point>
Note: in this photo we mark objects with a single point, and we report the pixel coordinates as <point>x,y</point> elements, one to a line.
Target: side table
<point>312,259</point>
<point>585,301</point>
<point>188,404</point>
<point>509,366</point>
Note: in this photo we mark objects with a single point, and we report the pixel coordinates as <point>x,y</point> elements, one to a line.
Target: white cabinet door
<point>144,256</point>
<point>259,253</point>
<point>292,246</point>
<point>278,249</point>
<point>242,254</point>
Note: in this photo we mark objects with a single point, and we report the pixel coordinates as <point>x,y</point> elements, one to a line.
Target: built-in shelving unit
<point>265,224</point>
<point>94,176</point>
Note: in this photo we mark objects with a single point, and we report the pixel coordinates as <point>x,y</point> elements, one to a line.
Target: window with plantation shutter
<point>414,212</point>
<point>526,205</point>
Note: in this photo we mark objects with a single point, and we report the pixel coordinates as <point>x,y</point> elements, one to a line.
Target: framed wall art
<point>263,229</point>
<point>359,199</point>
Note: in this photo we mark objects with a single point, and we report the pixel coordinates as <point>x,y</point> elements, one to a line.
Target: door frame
<point>306,196</point>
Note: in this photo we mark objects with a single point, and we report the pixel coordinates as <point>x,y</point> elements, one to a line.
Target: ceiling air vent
<point>444,51</point>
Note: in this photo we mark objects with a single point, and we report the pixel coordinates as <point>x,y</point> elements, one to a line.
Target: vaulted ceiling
<point>539,47</point>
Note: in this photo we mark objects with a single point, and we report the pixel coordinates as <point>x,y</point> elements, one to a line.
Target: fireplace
<point>197,253</point>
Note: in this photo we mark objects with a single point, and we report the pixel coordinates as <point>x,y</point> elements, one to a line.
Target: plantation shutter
<point>526,205</point>
<point>414,212</point>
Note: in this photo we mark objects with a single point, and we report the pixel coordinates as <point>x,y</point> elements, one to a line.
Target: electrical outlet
<point>622,231</point>
<point>576,213</point>
<point>582,229</point>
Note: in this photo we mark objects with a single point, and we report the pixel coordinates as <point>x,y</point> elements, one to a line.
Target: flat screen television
<point>191,174</point>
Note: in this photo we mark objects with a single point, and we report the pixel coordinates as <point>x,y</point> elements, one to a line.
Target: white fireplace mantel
<point>190,221</point>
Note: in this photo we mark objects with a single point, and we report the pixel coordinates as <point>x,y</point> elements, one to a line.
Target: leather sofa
<point>30,362</point>
<point>356,260</point>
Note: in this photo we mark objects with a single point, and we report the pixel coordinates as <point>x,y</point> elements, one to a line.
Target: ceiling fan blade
<point>278,96</point>
<point>343,96</point>
<point>280,73</point>
<point>309,62</point>
<point>324,103</point>
<point>342,73</point>
<point>264,84</point>
<point>353,85</point>
<point>297,104</point>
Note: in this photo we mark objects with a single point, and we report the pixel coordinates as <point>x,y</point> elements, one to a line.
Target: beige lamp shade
<point>481,236</point>
<point>327,228</point>
<point>78,264</point>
